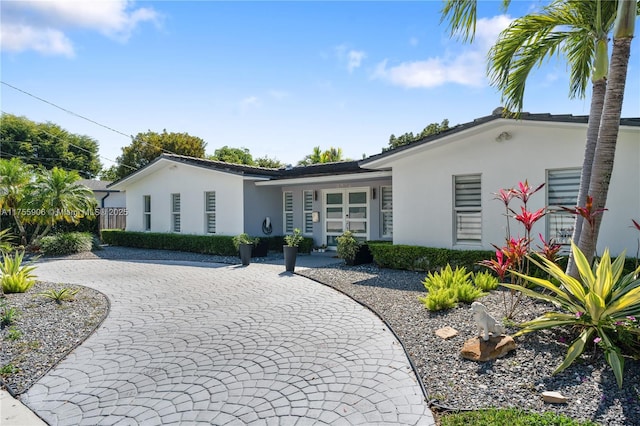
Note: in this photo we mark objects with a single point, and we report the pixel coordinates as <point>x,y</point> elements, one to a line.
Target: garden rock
<point>446,332</point>
<point>554,397</point>
<point>479,350</point>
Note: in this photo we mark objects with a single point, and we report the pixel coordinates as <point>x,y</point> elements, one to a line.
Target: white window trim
<point>210,212</point>
<point>466,209</point>
<point>286,213</point>
<point>554,210</point>
<point>307,213</point>
<point>384,211</point>
<point>146,214</point>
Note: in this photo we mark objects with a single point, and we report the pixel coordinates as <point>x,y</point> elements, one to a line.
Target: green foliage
<point>416,258</point>
<point>244,239</point>
<point>439,299</point>
<point>293,240</point>
<point>16,278</point>
<point>59,296</point>
<point>448,287</point>
<point>8,369</point>
<point>596,303</point>
<point>48,145</point>
<point>208,244</point>
<point>232,155</point>
<point>7,315</point>
<point>509,416</point>
<point>485,281</point>
<point>64,244</point>
<point>6,241</point>
<point>13,334</point>
<point>407,138</point>
<point>270,163</point>
<point>146,147</point>
<point>348,246</point>
<point>331,155</point>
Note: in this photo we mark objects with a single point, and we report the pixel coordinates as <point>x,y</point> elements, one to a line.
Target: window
<point>175,212</point>
<point>562,191</point>
<point>146,215</point>
<point>288,212</point>
<point>307,212</point>
<point>467,209</point>
<point>386,211</point>
<point>210,212</point>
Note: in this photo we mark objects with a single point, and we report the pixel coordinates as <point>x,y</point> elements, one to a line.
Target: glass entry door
<point>346,210</point>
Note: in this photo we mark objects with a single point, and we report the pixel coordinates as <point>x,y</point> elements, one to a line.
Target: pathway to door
<point>189,343</point>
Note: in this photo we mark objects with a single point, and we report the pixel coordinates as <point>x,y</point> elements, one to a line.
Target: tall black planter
<point>363,256</point>
<point>290,254</point>
<point>245,253</point>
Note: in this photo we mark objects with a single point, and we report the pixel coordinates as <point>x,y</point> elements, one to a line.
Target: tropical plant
<point>59,296</point>
<point>448,287</point>
<point>6,241</point>
<point>485,281</point>
<point>16,277</point>
<point>293,240</point>
<point>597,302</point>
<point>244,238</point>
<point>7,314</point>
<point>15,178</point>
<point>348,246</point>
<point>67,243</point>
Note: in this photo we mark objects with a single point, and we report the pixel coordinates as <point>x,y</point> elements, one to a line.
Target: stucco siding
<point>191,183</point>
<point>423,182</point>
<point>260,203</point>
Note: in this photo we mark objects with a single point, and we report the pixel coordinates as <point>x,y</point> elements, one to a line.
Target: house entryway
<point>345,210</point>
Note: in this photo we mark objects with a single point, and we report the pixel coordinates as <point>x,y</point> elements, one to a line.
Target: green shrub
<point>59,296</point>
<point>208,244</point>
<point>16,277</point>
<point>348,246</point>
<point>439,299</point>
<point>64,244</point>
<point>449,286</point>
<point>485,281</point>
<point>416,258</point>
<point>244,238</point>
<point>294,240</point>
<point>7,314</point>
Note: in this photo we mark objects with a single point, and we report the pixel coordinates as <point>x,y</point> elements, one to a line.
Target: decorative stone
<point>477,349</point>
<point>446,332</point>
<point>486,323</point>
<point>554,397</point>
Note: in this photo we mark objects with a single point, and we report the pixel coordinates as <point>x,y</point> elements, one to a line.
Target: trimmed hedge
<point>209,244</point>
<point>416,258</point>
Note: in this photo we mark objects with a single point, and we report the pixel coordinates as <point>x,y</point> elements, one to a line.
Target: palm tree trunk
<point>595,115</point>
<point>607,139</point>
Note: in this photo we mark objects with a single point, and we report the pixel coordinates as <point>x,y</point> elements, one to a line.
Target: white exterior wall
<point>423,182</point>
<point>191,183</point>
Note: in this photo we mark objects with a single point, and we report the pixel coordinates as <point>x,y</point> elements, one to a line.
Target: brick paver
<point>216,344</point>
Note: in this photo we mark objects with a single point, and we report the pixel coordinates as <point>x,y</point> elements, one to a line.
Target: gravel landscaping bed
<point>451,382</point>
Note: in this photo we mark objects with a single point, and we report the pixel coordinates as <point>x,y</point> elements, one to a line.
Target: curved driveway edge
<point>201,343</point>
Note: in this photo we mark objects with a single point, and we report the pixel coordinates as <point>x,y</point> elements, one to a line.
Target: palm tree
<point>579,30</point>
<point>610,123</point>
<point>313,158</point>
<point>15,177</point>
<point>592,21</point>
<point>332,155</point>
<point>58,193</point>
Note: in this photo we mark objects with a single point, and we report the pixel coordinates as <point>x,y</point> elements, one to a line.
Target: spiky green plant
<point>597,302</point>
<point>16,277</point>
<point>485,281</point>
<point>59,296</point>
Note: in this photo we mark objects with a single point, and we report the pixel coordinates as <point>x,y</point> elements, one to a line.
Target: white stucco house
<point>437,192</point>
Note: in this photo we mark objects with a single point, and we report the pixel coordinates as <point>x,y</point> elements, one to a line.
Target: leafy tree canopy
<point>407,138</point>
<point>146,147</point>
<point>271,163</point>
<point>48,145</point>
<point>331,155</point>
<point>227,154</point>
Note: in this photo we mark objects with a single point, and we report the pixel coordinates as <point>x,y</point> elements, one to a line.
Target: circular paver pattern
<point>190,343</point>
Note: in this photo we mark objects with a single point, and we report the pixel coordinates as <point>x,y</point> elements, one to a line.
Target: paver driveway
<point>189,343</point>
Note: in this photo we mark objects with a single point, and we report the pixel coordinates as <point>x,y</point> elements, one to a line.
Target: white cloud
<point>250,102</point>
<point>467,68</point>
<point>41,25</point>
<point>355,59</point>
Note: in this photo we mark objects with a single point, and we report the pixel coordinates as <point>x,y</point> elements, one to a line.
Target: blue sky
<point>275,77</point>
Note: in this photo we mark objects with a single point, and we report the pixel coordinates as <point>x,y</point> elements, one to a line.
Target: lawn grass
<point>509,416</point>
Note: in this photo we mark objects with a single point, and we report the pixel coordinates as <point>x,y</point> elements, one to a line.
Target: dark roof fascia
<point>525,116</point>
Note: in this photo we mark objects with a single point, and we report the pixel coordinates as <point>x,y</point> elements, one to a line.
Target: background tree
<point>15,178</point>
<point>48,145</point>
<point>331,155</point>
<point>146,147</point>
<point>407,138</point>
<point>267,162</point>
<point>227,154</point>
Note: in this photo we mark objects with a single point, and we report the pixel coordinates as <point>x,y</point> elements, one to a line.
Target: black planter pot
<point>290,254</point>
<point>363,256</point>
<point>261,249</point>
<point>245,253</point>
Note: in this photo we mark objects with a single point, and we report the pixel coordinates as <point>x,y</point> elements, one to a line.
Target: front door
<point>346,210</point>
